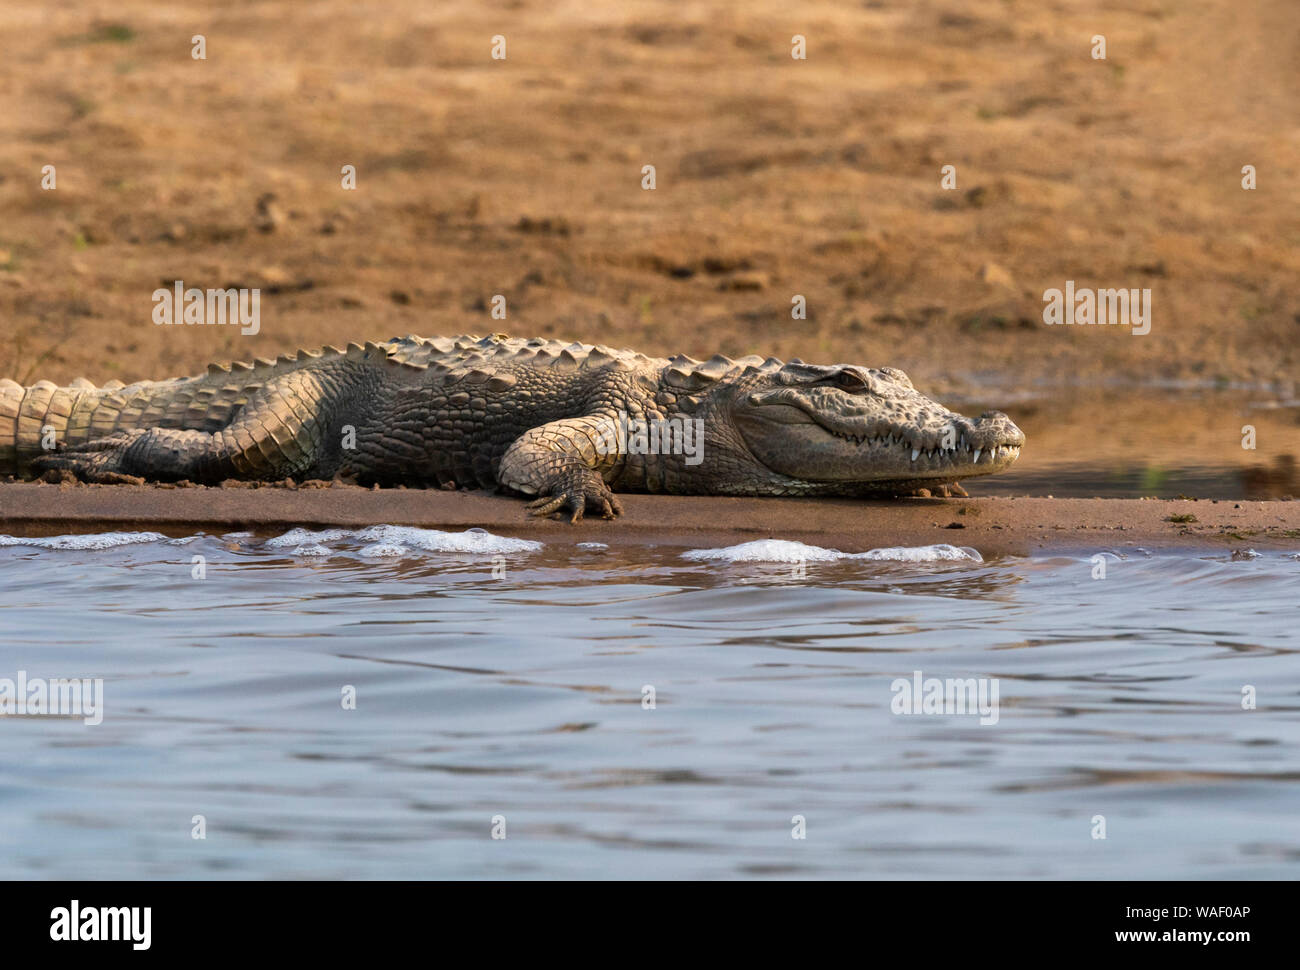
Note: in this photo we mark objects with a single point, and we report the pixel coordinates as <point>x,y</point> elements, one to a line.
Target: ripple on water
<point>84,543</point>
<point>783,550</point>
<point>397,540</point>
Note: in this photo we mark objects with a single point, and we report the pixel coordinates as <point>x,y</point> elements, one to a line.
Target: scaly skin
<point>530,416</point>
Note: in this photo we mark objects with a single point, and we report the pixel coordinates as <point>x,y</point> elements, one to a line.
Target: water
<point>1132,442</point>
<point>521,695</point>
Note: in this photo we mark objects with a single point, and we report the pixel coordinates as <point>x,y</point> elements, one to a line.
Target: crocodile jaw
<point>829,445</point>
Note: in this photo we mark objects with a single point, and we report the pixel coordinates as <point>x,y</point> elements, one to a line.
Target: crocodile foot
<point>102,461</point>
<point>576,490</point>
<point>950,490</point>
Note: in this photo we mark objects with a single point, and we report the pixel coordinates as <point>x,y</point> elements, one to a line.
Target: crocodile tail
<point>11,399</point>
<point>33,419</point>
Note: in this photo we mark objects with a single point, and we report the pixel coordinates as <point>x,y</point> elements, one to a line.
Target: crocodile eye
<point>847,380</point>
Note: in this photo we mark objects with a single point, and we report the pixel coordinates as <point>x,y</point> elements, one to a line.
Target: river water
<point>642,711</point>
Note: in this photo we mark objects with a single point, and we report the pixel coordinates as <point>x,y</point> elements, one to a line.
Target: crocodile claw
<point>576,491</point>
<point>950,490</point>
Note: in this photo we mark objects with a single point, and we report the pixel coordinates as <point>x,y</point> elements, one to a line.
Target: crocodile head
<point>851,429</point>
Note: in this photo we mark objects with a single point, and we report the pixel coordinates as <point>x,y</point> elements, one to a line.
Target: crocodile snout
<point>1003,426</point>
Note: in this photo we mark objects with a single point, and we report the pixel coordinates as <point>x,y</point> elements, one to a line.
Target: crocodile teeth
<point>976,459</point>
<point>914,454</point>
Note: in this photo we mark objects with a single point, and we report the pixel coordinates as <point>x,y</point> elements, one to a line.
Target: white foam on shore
<point>940,552</point>
<point>397,540</point>
<point>783,550</point>
<point>94,540</point>
<point>380,550</point>
<point>305,538</point>
<point>311,549</point>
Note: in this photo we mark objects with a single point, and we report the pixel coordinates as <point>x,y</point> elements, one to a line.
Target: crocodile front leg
<point>566,463</point>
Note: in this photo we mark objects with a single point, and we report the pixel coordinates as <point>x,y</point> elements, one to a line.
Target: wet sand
<point>994,526</point>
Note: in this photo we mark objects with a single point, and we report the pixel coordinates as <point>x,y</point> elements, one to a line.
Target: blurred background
<point>774,177</point>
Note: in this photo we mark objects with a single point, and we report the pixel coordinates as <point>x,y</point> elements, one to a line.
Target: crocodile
<point>539,418</point>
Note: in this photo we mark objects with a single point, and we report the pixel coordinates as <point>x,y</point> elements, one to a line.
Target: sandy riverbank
<point>775,177</point>
<point>992,525</point>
